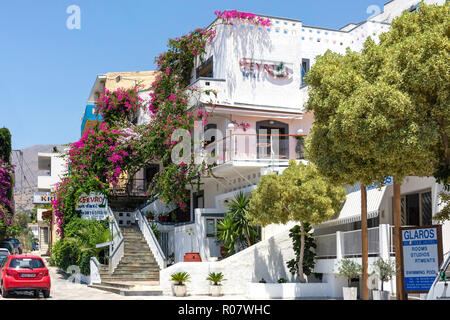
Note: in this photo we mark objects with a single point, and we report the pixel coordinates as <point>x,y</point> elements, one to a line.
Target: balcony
<point>218,85</point>
<point>348,244</point>
<point>90,119</point>
<point>254,149</point>
<point>131,187</point>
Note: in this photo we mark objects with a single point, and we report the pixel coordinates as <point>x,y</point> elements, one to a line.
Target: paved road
<point>63,289</point>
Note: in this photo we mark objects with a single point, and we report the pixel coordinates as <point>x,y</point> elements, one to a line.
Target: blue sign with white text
<point>420,258</point>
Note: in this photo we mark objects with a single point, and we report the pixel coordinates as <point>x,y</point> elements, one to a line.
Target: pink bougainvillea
<point>233,15</point>
<point>6,206</point>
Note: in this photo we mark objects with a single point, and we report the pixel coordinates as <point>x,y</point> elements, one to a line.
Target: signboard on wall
<point>93,206</point>
<point>387,181</point>
<point>259,69</point>
<point>43,197</point>
<point>422,256</point>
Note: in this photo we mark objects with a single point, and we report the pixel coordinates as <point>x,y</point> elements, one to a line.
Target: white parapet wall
<point>288,290</point>
<point>266,259</point>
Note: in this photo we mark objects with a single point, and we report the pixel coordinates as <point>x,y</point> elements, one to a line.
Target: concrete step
<point>150,291</point>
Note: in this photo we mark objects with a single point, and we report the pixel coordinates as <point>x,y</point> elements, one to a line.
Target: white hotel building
<point>240,65</point>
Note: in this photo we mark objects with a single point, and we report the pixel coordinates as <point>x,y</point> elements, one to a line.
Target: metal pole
<point>364,244</point>
<point>400,293</point>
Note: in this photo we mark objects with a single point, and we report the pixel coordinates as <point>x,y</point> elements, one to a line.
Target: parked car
<point>8,245</point>
<point>16,243</point>
<point>440,288</point>
<point>4,253</point>
<point>24,273</point>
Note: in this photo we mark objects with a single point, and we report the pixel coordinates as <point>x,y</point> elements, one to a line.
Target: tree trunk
<point>302,253</point>
<point>364,244</point>
<point>247,238</point>
<point>397,240</point>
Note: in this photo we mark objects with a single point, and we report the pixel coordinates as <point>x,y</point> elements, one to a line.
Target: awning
<point>351,211</point>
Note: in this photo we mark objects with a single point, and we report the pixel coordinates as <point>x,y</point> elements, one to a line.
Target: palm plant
<point>216,278</point>
<point>180,278</point>
<point>226,234</point>
<point>238,209</point>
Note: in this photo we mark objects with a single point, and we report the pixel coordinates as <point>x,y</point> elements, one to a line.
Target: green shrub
<point>180,278</point>
<point>79,243</point>
<point>216,278</point>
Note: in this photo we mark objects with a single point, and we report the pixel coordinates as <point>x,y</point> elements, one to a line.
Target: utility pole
<point>401,295</point>
<point>364,244</point>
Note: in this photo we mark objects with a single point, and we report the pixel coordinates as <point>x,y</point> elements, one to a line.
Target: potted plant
<point>162,218</point>
<point>351,270</point>
<point>192,256</point>
<point>179,279</point>
<point>384,271</point>
<point>150,216</point>
<point>216,286</point>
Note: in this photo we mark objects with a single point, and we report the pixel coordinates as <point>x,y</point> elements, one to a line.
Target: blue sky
<point>47,70</point>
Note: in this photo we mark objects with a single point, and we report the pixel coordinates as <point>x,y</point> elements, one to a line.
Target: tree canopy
<point>384,111</point>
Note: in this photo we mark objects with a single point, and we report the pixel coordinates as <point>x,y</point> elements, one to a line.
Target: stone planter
<point>380,295</point>
<point>215,290</point>
<point>179,290</point>
<point>350,293</point>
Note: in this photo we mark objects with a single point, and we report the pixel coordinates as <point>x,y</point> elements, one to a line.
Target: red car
<point>24,273</point>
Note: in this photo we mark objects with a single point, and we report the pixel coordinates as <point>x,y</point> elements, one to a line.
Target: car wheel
<point>46,293</point>
<point>4,292</point>
<point>36,294</point>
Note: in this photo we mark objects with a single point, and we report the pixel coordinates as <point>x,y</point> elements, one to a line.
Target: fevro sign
<point>422,256</point>
<point>93,206</point>
<point>257,68</point>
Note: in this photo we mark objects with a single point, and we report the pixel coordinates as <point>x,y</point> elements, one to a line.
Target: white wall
<point>266,259</point>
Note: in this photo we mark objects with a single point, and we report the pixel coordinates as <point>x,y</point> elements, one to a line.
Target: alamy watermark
<point>73,22</point>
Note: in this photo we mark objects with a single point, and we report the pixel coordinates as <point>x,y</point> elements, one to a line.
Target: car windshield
<point>23,263</point>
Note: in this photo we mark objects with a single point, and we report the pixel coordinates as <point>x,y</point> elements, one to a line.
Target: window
<point>416,209</point>
<point>149,173</point>
<point>206,69</point>
<point>26,263</point>
<point>210,227</point>
<point>304,70</point>
<point>198,200</point>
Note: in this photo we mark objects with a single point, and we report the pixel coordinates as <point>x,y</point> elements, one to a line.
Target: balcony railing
<point>347,243</point>
<point>204,96</point>
<point>254,147</point>
<point>131,187</point>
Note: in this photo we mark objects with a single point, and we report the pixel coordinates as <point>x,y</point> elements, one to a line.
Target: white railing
<point>326,246</point>
<point>349,242</point>
<point>95,271</point>
<point>254,147</point>
<point>151,239</point>
<point>117,243</point>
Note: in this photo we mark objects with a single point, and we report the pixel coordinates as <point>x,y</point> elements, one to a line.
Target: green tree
<point>372,116</point>
<point>299,194</point>
<point>5,145</point>
<point>309,254</point>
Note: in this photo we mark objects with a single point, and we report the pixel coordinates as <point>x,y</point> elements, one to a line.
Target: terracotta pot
<point>223,251</point>
<point>192,257</point>
<point>150,218</point>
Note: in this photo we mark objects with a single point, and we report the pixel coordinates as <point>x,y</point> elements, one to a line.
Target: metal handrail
<point>144,224</point>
